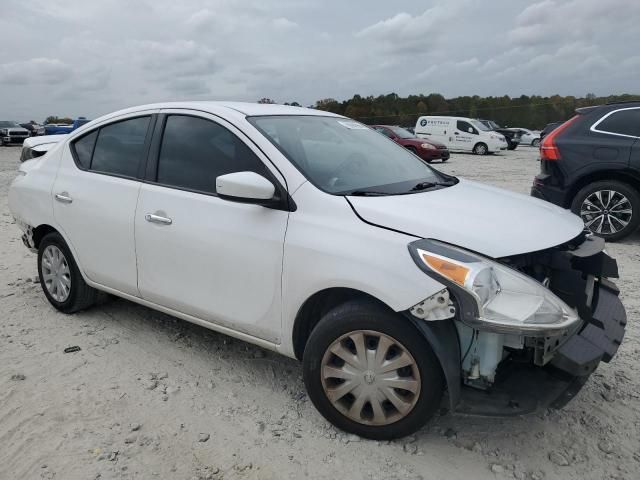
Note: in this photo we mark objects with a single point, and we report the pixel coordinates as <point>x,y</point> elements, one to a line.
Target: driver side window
<point>195,151</point>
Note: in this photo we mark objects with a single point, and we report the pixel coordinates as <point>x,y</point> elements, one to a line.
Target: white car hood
<point>485,219</point>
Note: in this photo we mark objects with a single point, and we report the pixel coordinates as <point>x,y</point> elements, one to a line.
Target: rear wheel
<point>371,373</point>
<point>60,277</point>
<point>481,149</point>
<point>609,208</point>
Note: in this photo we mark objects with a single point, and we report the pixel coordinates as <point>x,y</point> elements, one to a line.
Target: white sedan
<point>528,137</point>
<point>312,235</point>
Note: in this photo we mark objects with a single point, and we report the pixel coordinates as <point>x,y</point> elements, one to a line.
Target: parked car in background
<point>428,150</point>
<point>528,137</point>
<point>310,234</point>
<point>550,127</point>
<point>591,164</point>
<point>34,147</point>
<point>12,133</point>
<point>512,137</point>
<point>61,128</point>
<point>460,134</point>
<point>34,129</point>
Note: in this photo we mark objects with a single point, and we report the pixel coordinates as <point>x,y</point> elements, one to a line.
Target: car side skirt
<point>189,318</point>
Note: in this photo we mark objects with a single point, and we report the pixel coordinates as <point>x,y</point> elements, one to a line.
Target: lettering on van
<point>441,123</point>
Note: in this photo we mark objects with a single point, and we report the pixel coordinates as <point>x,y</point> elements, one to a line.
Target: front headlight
<point>4,131</point>
<point>507,301</point>
<point>428,146</point>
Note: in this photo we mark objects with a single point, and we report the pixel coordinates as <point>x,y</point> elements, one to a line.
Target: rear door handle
<point>150,217</point>
<point>63,197</point>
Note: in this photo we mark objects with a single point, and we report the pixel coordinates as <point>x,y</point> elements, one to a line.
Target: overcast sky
<point>79,57</point>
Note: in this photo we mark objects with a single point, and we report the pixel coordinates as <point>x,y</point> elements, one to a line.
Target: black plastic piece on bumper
<point>599,339</point>
<point>443,338</point>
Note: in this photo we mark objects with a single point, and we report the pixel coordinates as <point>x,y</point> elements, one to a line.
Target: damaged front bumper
<point>550,371</point>
<point>522,387</point>
<point>491,371</point>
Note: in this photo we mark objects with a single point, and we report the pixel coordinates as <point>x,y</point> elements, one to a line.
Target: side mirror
<point>248,187</point>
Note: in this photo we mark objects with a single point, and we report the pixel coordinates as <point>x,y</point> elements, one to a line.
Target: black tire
<point>412,150</point>
<point>535,142</point>
<point>368,316</point>
<point>621,189</point>
<point>481,149</point>
<point>512,146</point>
<point>80,294</point>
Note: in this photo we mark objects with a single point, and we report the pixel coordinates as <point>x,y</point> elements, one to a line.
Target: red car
<point>428,150</point>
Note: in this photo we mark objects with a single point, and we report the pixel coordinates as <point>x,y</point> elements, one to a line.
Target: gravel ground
<point>150,396</point>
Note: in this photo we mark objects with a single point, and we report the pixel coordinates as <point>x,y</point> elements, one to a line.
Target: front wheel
<point>535,142</point>
<point>481,149</point>
<point>371,373</point>
<point>609,208</point>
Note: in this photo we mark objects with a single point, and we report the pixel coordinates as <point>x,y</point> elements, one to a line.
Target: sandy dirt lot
<point>150,396</point>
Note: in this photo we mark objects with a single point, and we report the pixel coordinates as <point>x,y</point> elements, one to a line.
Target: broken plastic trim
<point>437,307</point>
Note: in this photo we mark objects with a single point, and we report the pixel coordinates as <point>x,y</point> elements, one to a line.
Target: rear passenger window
<point>196,151</point>
<point>624,122</point>
<point>83,148</point>
<point>120,147</point>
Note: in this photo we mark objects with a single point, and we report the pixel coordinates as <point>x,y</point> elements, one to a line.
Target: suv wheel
<point>60,277</point>
<point>371,373</point>
<point>481,149</point>
<point>609,208</point>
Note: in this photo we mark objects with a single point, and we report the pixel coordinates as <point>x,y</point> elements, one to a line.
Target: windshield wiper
<point>366,193</point>
<point>425,185</point>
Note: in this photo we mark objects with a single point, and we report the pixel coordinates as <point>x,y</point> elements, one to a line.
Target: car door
<point>199,254</point>
<point>464,136</point>
<point>95,194</point>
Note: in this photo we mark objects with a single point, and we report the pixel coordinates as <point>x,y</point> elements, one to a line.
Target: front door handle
<point>63,197</point>
<point>150,217</point>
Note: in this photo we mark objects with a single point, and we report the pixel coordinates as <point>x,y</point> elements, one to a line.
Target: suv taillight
<point>548,148</point>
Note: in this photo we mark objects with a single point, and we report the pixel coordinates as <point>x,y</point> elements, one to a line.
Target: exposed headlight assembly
<point>495,297</point>
<point>427,146</point>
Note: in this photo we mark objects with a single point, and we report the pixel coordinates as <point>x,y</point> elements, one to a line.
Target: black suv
<point>511,136</point>
<point>591,164</point>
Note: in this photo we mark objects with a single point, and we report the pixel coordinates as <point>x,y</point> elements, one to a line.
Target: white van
<point>461,134</point>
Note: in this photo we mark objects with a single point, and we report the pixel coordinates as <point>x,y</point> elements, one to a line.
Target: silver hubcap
<point>606,211</point>
<point>481,149</point>
<point>55,273</point>
<point>370,377</point>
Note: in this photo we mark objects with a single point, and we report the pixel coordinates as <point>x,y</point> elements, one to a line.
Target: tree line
<point>524,111</point>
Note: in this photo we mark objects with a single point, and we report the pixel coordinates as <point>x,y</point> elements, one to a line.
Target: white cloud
<point>34,71</point>
<point>283,23</point>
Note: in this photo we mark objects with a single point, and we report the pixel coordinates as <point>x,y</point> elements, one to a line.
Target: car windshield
<point>6,124</point>
<point>401,132</point>
<point>480,126</point>
<point>344,157</point>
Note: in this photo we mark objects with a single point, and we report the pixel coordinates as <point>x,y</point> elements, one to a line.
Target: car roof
<point>245,108</point>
